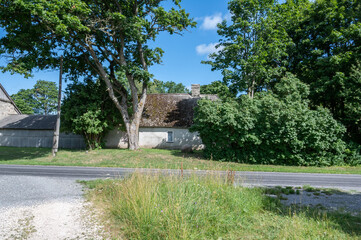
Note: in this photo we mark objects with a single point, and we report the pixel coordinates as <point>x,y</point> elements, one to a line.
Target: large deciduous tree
<point>24,101</point>
<point>41,99</point>
<point>45,94</point>
<point>326,54</point>
<point>96,38</point>
<point>252,48</point>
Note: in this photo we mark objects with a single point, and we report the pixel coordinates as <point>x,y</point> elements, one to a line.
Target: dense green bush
<point>273,128</point>
<point>87,110</point>
<point>353,154</point>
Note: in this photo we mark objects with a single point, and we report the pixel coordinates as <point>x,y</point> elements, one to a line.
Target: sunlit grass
<point>146,158</point>
<point>171,207</point>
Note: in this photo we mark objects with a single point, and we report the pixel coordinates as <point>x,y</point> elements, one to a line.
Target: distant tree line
<point>41,99</point>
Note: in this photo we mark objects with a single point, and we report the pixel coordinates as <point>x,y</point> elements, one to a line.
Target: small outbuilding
<point>20,130</point>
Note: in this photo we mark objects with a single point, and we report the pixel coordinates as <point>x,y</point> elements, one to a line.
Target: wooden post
<point>57,127</point>
<point>181,169</point>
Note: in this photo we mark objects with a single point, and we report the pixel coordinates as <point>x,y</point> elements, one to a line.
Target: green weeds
<point>172,207</point>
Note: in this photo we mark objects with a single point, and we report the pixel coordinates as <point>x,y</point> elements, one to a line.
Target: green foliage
<point>24,101</point>
<point>41,99</point>
<point>157,207</point>
<point>158,86</point>
<point>96,38</point>
<point>153,206</point>
<point>273,128</point>
<point>325,54</point>
<point>87,110</point>
<point>353,154</point>
<point>46,96</point>
<point>219,88</point>
<point>252,48</point>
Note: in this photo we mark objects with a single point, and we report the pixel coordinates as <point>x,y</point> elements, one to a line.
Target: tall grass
<point>170,207</point>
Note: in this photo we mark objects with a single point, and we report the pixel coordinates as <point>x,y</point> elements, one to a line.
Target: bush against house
<point>273,128</point>
<point>88,110</point>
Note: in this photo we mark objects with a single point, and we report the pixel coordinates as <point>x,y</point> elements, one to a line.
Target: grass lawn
<point>145,158</point>
<point>170,207</point>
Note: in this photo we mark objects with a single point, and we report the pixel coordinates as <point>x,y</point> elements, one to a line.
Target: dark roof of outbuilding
<point>28,122</point>
<point>170,110</point>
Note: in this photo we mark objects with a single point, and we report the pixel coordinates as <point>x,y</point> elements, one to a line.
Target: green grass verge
<point>146,158</point>
<point>170,207</point>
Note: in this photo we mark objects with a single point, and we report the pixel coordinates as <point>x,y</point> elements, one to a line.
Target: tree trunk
<point>131,122</point>
<point>133,136</point>
<point>251,89</point>
<point>133,125</point>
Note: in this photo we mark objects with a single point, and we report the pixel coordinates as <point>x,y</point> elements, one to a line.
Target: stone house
<point>7,105</point>
<point>165,124</point>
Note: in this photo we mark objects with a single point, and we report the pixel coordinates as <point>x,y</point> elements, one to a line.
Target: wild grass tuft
<point>172,207</point>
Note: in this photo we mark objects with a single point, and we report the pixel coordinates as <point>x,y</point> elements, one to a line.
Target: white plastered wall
<point>156,138</point>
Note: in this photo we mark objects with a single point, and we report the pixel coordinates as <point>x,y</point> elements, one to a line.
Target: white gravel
<point>45,208</point>
<point>56,220</point>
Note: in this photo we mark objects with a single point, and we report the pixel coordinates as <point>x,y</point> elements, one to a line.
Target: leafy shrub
<point>87,110</point>
<point>273,128</point>
<point>353,154</point>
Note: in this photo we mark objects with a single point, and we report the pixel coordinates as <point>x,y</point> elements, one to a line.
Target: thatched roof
<point>170,110</point>
<point>160,110</point>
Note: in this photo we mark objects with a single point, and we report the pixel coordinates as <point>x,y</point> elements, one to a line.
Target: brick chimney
<point>196,90</point>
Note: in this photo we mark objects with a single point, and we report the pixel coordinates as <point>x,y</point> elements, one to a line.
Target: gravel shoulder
<point>45,208</point>
<point>349,202</point>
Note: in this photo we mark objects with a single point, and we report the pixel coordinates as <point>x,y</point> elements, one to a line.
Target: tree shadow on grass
<point>194,154</point>
<point>14,153</point>
<point>345,219</point>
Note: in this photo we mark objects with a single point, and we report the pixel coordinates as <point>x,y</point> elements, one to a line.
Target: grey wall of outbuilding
<point>38,138</point>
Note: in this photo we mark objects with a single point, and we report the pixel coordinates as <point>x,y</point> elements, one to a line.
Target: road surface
<point>338,181</point>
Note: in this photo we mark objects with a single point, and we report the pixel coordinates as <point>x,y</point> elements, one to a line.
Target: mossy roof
<point>170,110</point>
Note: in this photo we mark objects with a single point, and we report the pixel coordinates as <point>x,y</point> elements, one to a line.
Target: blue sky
<point>182,57</point>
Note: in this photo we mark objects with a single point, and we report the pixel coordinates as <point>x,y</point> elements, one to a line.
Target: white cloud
<point>210,22</point>
<point>205,49</point>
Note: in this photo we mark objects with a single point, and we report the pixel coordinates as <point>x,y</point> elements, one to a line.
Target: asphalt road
<point>338,181</point>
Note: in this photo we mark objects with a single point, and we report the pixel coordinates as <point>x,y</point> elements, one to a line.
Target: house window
<point>170,138</point>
